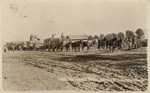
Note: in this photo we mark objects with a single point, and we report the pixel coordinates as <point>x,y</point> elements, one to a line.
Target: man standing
<point>62,37</point>
<point>5,47</point>
<point>13,48</point>
<point>31,37</point>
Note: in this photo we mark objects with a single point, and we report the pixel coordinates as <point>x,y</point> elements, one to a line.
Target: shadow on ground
<point>84,58</point>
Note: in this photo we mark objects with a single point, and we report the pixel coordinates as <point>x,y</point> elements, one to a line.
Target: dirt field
<point>40,70</point>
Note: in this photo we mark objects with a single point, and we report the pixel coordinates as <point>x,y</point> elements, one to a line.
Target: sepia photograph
<point>74,45</point>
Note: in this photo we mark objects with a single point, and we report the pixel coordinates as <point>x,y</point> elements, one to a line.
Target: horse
<point>47,43</point>
<point>89,44</point>
<point>111,44</point>
<point>76,45</point>
<point>68,46</point>
<point>57,44</point>
<point>101,43</point>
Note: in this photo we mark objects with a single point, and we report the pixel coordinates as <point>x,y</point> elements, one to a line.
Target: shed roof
<point>78,37</point>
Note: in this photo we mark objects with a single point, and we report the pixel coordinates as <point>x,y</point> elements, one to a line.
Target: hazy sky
<point>20,20</point>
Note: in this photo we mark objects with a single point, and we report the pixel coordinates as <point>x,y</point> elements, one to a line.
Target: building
<point>77,37</point>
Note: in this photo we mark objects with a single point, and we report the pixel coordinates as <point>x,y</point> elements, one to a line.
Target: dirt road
<point>39,70</point>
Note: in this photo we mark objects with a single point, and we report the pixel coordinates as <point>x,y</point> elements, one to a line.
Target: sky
<point>21,19</point>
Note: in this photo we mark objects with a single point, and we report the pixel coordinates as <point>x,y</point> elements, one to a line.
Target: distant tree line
<point>132,39</point>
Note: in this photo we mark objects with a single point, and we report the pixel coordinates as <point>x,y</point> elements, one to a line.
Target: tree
<point>130,37</point>
<point>139,33</point>
<point>114,35</point>
<point>121,35</point>
<point>96,37</point>
<point>101,36</point>
<point>111,36</point>
<point>129,34</point>
<point>90,37</point>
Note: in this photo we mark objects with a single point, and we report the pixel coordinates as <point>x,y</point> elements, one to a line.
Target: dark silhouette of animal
<point>119,44</point>
<point>89,44</point>
<point>56,44</point>
<point>47,43</point>
<point>68,46</point>
<point>76,46</point>
<point>111,44</point>
<point>101,43</point>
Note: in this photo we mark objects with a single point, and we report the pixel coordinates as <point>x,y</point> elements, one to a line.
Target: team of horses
<point>66,44</point>
<point>58,44</point>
